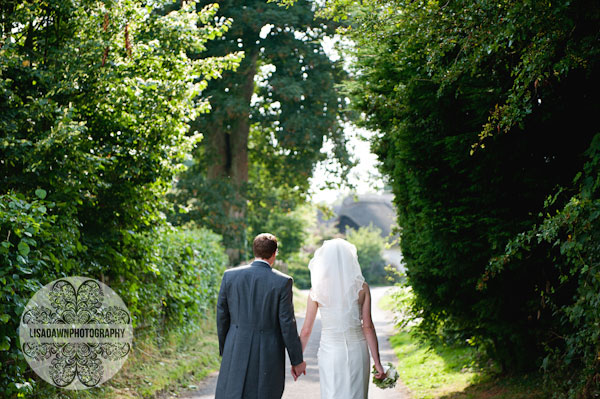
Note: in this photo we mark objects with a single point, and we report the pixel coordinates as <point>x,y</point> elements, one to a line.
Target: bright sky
<point>364,176</point>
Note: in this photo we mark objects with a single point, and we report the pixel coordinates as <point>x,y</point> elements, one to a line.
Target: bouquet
<point>391,376</point>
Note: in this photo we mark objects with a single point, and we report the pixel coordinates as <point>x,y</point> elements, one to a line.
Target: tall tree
<point>296,98</point>
<point>269,118</point>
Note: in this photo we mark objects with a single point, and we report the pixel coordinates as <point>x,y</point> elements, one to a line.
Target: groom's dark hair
<point>264,245</point>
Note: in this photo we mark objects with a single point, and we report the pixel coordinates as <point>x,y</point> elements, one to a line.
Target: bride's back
<point>337,319</point>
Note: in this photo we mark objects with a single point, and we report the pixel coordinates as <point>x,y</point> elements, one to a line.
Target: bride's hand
<point>380,373</point>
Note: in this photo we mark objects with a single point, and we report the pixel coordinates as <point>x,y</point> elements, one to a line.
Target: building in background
<point>365,209</point>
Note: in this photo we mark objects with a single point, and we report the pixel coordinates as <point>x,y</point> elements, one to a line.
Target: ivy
<point>572,342</point>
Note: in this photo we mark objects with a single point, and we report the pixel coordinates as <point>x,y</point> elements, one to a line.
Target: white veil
<point>335,275</point>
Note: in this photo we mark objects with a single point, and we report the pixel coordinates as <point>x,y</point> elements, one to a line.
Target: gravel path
<point>307,386</point>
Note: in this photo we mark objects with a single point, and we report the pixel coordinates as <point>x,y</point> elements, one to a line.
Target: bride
<point>340,293</point>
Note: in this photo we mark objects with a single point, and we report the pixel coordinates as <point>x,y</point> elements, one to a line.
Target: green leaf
<point>40,193</point>
<point>23,248</point>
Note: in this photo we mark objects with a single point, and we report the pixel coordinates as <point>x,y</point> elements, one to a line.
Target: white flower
<point>391,376</point>
<point>392,373</point>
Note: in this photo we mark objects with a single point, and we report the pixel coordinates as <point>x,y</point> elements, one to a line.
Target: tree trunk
<point>216,142</point>
<point>227,138</point>
<point>226,149</point>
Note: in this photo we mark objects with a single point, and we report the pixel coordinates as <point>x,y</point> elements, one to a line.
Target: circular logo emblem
<point>76,333</point>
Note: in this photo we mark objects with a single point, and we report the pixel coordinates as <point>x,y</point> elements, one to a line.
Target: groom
<point>255,322</point>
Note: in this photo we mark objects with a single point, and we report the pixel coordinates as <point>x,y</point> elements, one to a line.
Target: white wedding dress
<point>343,354</point>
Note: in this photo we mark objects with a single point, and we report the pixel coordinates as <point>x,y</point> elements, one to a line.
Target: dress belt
<point>253,327</point>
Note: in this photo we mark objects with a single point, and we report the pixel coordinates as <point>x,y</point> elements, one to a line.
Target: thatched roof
<point>362,210</point>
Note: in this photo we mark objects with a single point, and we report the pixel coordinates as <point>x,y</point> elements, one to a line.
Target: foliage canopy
<point>269,122</point>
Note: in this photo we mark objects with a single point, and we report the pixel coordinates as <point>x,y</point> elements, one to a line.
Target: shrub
<point>176,280</point>
<point>369,247</point>
<point>288,226</point>
<point>164,276</point>
<point>298,269</point>
<point>96,102</point>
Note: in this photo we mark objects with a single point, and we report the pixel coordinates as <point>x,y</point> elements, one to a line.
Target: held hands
<point>380,373</point>
<point>298,370</point>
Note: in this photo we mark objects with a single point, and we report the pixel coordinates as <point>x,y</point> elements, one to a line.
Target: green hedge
<point>166,276</point>
<point>176,281</point>
<point>479,121</point>
<point>298,269</point>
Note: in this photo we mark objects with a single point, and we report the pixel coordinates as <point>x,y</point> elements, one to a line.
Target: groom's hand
<point>298,370</point>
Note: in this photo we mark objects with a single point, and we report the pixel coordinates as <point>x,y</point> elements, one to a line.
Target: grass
<point>157,369</point>
<point>451,372</point>
<point>431,373</point>
<point>181,362</point>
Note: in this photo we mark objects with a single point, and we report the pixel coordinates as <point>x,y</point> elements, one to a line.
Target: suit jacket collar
<point>261,263</point>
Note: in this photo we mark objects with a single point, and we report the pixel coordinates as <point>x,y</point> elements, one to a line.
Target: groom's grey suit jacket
<point>255,322</point>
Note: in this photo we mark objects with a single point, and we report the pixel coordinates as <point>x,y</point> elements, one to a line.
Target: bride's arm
<point>309,322</point>
<point>370,333</point>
